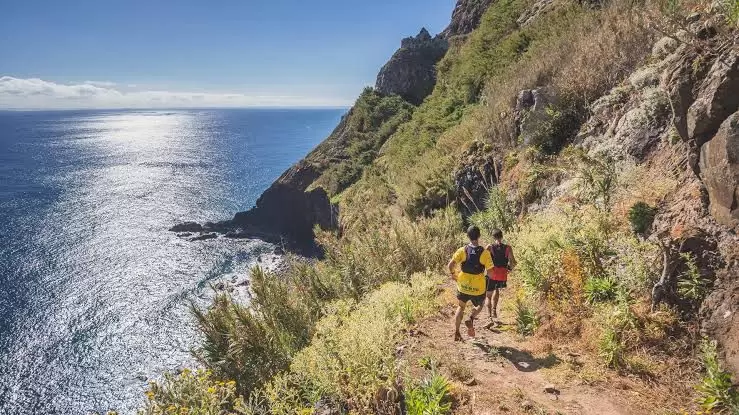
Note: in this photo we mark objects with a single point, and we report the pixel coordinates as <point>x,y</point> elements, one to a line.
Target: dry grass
<point>577,65</point>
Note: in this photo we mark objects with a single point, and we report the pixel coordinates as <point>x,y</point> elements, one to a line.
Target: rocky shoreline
<point>284,215</point>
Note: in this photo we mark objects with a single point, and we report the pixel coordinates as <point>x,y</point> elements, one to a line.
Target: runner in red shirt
<point>503,261</point>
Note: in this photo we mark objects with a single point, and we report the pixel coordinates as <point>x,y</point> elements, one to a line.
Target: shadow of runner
<point>525,362</point>
<point>522,360</point>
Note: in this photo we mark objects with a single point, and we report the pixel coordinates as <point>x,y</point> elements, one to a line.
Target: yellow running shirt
<point>472,284</point>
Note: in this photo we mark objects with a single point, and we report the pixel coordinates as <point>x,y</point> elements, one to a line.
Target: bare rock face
<point>718,98</point>
<point>719,165</point>
<point>466,17</point>
<point>720,317</point>
<point>411,71</point>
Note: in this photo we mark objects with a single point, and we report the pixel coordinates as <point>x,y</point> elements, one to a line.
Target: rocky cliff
<point>465,17</point>
<point>299,199</point>
<point>411,71</point>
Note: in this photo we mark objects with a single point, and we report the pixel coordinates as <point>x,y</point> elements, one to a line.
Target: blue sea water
<point>94,290</point>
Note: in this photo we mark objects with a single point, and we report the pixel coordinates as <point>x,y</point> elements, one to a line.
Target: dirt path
<point>497,373</point>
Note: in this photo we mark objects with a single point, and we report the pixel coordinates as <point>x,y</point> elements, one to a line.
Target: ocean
<point>94,291</point>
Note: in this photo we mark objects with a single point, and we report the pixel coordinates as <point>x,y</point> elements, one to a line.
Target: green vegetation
<point>600,289</point>
<point>498,213</point>
<point>193,393</point>
<point>691,285</point>
<point>718,394</point>
<point>526,318</point>
<point>352,356</point>
<point>250,344</point>
<point>429,397</point>
<point>354,145</point>
<point>641,216</point>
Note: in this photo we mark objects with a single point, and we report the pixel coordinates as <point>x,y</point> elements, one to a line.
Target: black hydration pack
<point>498,252</point>
<point>472,264</point>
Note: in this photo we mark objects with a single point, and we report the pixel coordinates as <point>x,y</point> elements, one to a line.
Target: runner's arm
<point>451,266</point>
<point>511,259</point>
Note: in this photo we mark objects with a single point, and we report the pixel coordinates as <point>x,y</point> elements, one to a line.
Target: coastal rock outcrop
<point>411,71</point>
<point>287,210</point>
<point>284,214</point>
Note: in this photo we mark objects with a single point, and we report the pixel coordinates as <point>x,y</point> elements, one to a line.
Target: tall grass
<point>250,344</point>
<point>351,359</point>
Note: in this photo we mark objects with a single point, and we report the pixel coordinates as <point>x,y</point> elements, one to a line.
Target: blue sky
<point>270,52</point>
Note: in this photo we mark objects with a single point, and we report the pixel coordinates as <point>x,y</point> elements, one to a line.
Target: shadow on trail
<point>522,360</point>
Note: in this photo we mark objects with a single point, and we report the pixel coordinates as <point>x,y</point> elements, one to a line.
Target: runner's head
<point>497,234</point>
<point>473,232</point>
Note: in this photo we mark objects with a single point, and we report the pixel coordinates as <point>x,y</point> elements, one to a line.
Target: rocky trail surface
<point>501,372</point>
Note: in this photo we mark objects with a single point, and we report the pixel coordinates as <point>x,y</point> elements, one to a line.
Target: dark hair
<point>473,232</point>
<point>497,234</point>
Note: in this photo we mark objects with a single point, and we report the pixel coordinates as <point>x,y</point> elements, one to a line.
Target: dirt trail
<point>495,373</point>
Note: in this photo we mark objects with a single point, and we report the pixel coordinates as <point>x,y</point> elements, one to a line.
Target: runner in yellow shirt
<point>473,260</point>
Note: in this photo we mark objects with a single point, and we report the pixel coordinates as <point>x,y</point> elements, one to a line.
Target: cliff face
<point>411,71</point>
<point>465,17</point>
<point>680,113</point>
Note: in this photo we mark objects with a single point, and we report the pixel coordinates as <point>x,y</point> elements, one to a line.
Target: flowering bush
<point>193,393</point>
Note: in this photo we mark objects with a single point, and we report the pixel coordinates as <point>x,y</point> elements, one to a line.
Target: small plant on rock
<point>717,392</point>
<point>691,285</point>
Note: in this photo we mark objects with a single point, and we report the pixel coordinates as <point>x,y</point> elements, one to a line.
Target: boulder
<point>187,227</point>
<point>718,97</point>
<point>719,166</point>
<point>287,211</point>
<point>720,316</point>
<point>204,237</point>
<point>530,114</point>
<point>411,71</point>
<point>678,80</point>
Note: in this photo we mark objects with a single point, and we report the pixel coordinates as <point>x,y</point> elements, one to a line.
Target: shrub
<point>718,395</point>
<point>498,212</point>
<point>193,393</point>
<point>641,216</point>
<point>691,285</point>
<point>373,254</point>
<point>598,180</point>
<point>432,396</point>
<point>250,344</point>
<point>352,355</point>
<point>600,289</point>
<point>526,319</point>
<point>610,348</point>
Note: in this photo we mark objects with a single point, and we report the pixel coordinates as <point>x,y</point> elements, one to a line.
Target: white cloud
<point>102,84</point>
<point>34,93</point>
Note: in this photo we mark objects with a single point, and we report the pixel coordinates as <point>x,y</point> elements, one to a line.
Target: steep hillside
<point>602,137</point>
